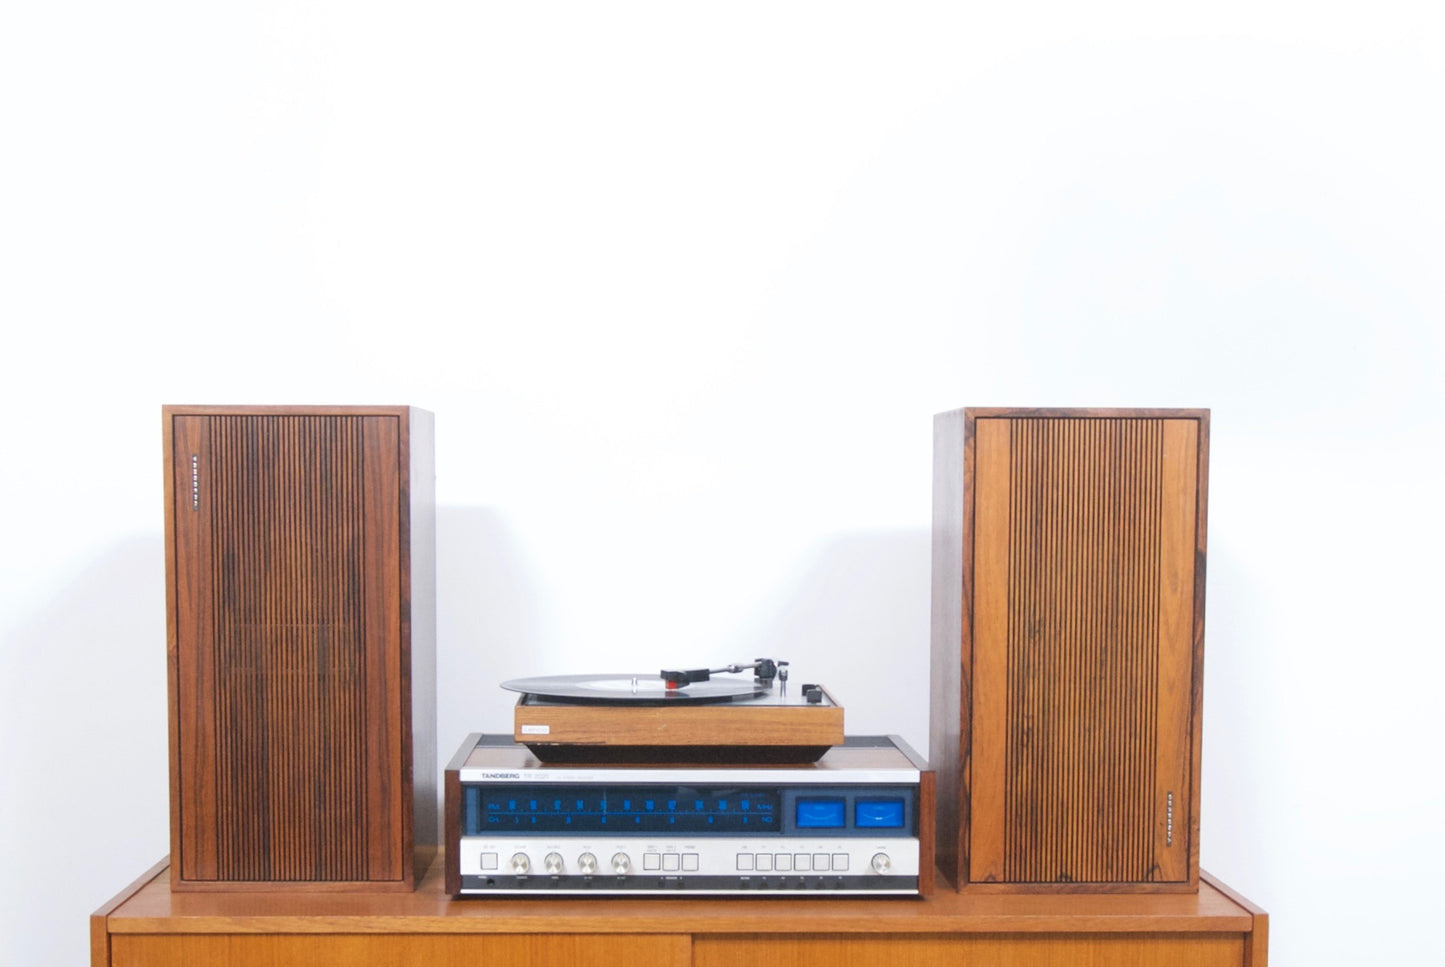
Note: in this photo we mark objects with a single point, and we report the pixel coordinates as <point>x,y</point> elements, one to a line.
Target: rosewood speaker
<point>1068,632</point>
<point>301,619</point>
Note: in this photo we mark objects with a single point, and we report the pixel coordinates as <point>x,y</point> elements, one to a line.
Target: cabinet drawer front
<point>398,950</point>
<point>1075,950</point>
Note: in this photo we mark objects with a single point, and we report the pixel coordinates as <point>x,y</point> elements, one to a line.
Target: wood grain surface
<point>1256,942</point>
<point>155,908</point>
<point>1075,762</point>
<point>147,924</point>
<point>292,647</point>
<point>681,725</point>
<point>1106,950</point>
<point>401,950</point>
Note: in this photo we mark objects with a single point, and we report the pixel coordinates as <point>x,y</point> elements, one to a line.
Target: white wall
<point>684,288</point>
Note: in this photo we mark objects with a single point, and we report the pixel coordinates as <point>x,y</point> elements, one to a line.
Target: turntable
<point>677,715</point>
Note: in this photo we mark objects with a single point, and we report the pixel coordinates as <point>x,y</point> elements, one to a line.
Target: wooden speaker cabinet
<point>301,630</point>
<point>1068,633</point>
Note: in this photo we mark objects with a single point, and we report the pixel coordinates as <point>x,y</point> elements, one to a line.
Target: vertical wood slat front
<point>381,476</point>
<point>1080,659</point>
<point>287,647</point>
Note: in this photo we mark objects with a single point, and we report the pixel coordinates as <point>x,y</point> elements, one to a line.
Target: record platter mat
<point>633,689</point>
<point>608,718</point>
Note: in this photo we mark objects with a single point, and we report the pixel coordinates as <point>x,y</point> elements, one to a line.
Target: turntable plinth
<point>772,728</point>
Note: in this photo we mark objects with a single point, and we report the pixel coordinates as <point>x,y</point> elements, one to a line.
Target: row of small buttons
<point>669,861</point>
<point>788,862</point>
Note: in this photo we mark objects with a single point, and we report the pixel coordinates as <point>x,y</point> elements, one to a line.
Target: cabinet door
<point>286,625</point>
<point>1084,650</point>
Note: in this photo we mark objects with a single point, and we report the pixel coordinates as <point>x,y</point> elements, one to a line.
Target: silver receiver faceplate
<point>847,824</point>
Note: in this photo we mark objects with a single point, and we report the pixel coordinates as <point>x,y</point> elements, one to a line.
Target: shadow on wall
<point>488,622</point>
<point>857,621</point>
<point>1240,715</point>
<point>83,727</point>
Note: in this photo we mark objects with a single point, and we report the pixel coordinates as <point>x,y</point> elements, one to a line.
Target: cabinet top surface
<point>1081,413</point>
<point>270,409</point>
<point>152,908</point>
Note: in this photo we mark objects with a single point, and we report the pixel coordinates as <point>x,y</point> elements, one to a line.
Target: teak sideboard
<point>146,925</point>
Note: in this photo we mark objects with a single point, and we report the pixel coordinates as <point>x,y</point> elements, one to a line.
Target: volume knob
<point>520,863</point>
<point>587,864</point>
<point>621,864</point>
<point>881,863</point>
<point>552,863</point>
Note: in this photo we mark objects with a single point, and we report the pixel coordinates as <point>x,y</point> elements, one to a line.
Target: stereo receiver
<point>857,821</point>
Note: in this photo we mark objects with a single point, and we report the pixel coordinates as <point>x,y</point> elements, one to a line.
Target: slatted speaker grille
<point>287,544</point>
<point>1083,639</point>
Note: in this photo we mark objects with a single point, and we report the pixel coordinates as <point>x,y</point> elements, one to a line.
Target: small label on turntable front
<point>536,730</point>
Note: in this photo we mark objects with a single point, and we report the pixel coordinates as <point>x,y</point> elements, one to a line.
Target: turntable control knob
<point>520,863</point>
<point>587,864</point>
<point>881,863</point>
<point>552,863</point>
<point>621,864</point>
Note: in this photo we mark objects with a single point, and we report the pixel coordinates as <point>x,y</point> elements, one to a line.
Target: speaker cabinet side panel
<point>1196,729</point>
<point>948,689</point>
<point>419,634</point>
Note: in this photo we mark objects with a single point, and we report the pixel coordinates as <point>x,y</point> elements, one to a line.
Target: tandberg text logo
<point>501,775</point>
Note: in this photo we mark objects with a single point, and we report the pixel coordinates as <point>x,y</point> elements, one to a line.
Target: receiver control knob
<point>587,864</point>
<point>881,863</point>
<point>552,863</point>
<point>520,863</point>
<point>621,864</point>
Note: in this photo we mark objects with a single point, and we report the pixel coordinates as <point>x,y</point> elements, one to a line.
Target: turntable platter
<point>632,690</point>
